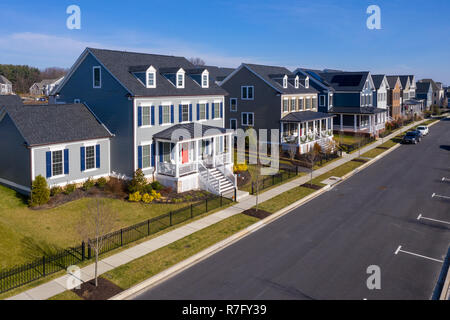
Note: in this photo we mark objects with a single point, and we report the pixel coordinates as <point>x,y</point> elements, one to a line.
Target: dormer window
<point>307,82</point>
<point>180,78</point>
<point>151,77</point>
<point>285,82</point>
<point>296,82</point>
<point>205,79</point>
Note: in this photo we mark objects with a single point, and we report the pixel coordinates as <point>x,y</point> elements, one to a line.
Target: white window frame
<point>164,107</point>
<point>285,106</point>
<point>200,111</point>
<point>149,146</point>
<point>93,77</point>
<point>307,82</point>
<point>242,93</point>
<point>182,113</point>
<point>231,120</point>
<point>231,104</point>
<point>297,82</point>
<point>213,104</point>
<point>285,82</point>
<point>178,74</point>
<point>149,116</point>
<point>85,157</point>
<point>62,163</point>
<point>205,74</point>
<point>293,102</point>
<point>247,124</point>
<point>330,100</point>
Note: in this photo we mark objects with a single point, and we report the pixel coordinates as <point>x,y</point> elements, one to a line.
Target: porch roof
<point>303,116</point>
<point>188,131</point>
<point>360,110</point>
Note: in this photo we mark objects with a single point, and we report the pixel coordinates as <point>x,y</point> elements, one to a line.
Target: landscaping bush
<point>135,197</point>
<point>115,186</point>
<point>155,194</point>
<point>146,198</point>
<point>101,182</point>
<point>156,185</point>
<point>138,183</point>
<point>89,183</point>
<point>55,191</point>
<point>69,188</point>
<point>148,188</point>
<point>240,167</point>
<point>40,193</point>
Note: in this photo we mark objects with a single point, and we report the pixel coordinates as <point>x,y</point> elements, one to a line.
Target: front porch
<point>188,162</point>
<point>305,130</point>
<point>358,122</point>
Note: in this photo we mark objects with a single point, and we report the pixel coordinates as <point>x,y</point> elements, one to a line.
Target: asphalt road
<point>321,250</point>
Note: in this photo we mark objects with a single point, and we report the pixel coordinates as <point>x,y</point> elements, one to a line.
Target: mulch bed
<point>260,214</point>
<point>311,186</point>
<point>105,290</point>
<point>384,148</point>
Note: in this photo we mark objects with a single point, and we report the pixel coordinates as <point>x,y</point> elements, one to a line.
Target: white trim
<point>150,70</point>
<point>205,73</point>
<point>233,119</point>
<point>93,77</point>
<point>15,185</point>
<point>256,74</point>
<point>183,74</point>
<point>242,119</point>
<point>253,93</point>
<point>285,81</point>
<point>66,145</point>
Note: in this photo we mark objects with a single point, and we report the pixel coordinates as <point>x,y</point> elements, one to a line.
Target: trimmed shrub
<point>40,193</point>
<point>146,198</point>
<point>89,183</point>
<point>240,167</point>
<point>101,182</point>
<point>135,197</point>
<point>156,185</point>
<point>69,188</point>
<point>55,191</point>
<point>155,194</point>
<point>138,183</point>
<point>148,188</point>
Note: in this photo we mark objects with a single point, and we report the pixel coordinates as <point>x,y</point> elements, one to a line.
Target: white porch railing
<point>307,138</point>
<point>167,168</point>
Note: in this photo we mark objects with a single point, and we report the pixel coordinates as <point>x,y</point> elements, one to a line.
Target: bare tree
<point>312,156</point>
<point>292,151</point>
<point>196,61</point>
<point>96,222</point>
<point>53,73</point>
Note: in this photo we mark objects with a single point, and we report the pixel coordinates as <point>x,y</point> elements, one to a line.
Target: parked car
<point>423,130</point>
<point>412,137</point>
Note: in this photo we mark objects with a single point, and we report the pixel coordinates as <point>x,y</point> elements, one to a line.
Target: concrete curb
<point>202,255</point>
<point>445,293</point>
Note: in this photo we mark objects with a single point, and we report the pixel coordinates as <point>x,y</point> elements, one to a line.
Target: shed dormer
<point>150,77</point>
<point>180,78</point>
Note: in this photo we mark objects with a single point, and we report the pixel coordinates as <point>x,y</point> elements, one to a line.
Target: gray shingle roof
<point>302,116</point>
<point>4,80</point>
<point>51,124</point>
<point>186,131</point>
<point>392,80</point>
<point>218,73</point>
<point>357,110</point>
<point>378,80</point>
<point>403,80</point>
<point>119,63</point>
<point>345,81</point>
<point>274,75</point>
<point>423,87</point>
<point>10,100</point>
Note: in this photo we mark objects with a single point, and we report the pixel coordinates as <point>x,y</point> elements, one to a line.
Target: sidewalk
<point>58,285</point>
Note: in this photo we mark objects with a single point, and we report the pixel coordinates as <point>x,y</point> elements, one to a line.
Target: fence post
<point>192,213</point>
<point>273,179</point>
<point>43,266</point>
<point>206,204</point>
<point>82,250</point>
<point>148,227</point>
<point>221,199</point>
<point>252,188</point>
<point>170,217</point>
<point>89,249</point>
<point>296,170</point>
<point>121,237</point>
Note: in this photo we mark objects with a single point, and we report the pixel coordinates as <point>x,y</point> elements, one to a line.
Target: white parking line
<point>415,254</point>
<point>435,220</point>
<point>439,196</point>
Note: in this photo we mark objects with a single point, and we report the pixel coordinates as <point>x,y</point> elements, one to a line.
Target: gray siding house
<point>5,86</point>
<point>274,98</point>
<point>147,101</point>
<point>63,143</point>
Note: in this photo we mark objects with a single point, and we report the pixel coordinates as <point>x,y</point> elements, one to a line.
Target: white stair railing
<point>211,183</point>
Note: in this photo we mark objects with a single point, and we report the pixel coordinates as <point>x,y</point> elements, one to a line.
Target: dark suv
<point>412,137</point>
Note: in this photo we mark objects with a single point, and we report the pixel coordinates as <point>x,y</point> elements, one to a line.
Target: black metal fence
<point>50,264</point>
<point>354,146</point>
<point>268,181</point>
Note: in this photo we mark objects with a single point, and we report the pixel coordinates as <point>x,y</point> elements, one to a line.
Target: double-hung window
<point>300,104</point>
<point>150,79</point>
<point>180,80</point>
<point>293,104</point>
<point>146,116</point>
<point>322,100</point>
<point>166,150</point>
<point>233,124</point>
<point>308,103</point>
<point>330,100</point>
<point>185,112</point>
<point>216,108</point>
<point>90,157</point>
<point>247,119</point>
<point>285,105</point>
<point>247,92</point>
<point>233,104</point>
<point>205,81</point>
<point>165,114</point>
<point>97,77</point>
<point>202,111</point>
<point>57,163</point>
<point>146,156</point>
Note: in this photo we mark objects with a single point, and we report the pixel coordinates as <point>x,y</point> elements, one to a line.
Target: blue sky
<point>315,33</point>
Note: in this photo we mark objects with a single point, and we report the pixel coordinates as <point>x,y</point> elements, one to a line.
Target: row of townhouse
<point>116,112</point>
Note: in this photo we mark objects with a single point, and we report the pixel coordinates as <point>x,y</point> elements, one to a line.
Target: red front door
<point>185,153</point>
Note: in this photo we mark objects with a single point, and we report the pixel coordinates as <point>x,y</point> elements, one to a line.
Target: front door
<point>185,153</point>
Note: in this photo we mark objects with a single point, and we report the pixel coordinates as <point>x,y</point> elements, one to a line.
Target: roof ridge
<point>135,52</point>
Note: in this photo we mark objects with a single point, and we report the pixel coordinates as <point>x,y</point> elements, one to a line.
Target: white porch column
<point>320,126</point>
<point>298,132</point>
<point>306,128</point>
<point>342,122</point>
<point>157,153</point>
<point>213,149</point>
<point>354,122</point>
<point>177,164</point>
<point>370,124</point>
<point>230,148</point>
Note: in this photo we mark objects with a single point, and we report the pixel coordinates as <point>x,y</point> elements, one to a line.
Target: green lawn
<point>26,234</point>
<point>284,199</point>
<point>346,138</point>
<point>337,172</point>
